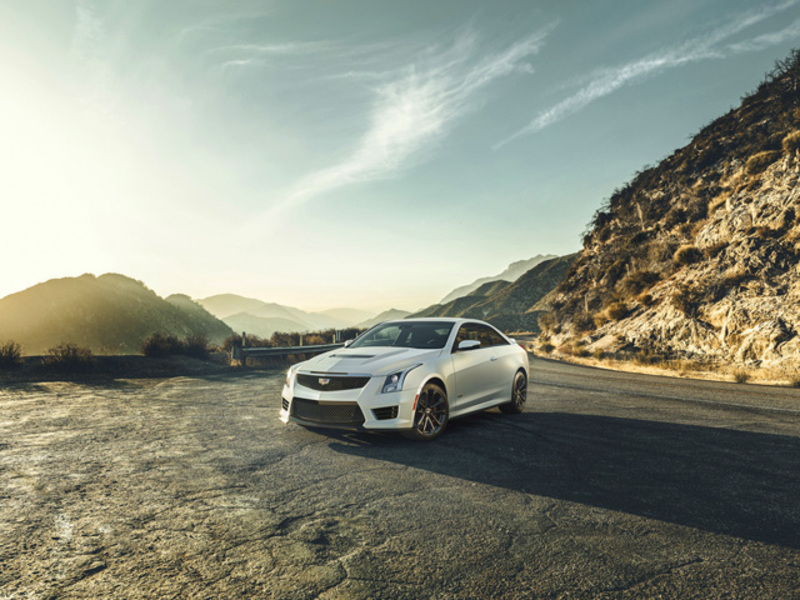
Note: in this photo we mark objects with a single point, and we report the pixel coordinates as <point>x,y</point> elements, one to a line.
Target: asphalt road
<point>609,485</point>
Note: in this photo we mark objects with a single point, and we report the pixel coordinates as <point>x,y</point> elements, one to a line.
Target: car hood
<point>376,360</point>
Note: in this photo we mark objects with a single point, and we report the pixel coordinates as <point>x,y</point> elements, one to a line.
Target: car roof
<point>458,320</point>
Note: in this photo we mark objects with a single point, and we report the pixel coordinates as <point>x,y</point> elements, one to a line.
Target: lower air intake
<point>339,413</point>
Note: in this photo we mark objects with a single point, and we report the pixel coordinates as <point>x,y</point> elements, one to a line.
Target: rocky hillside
<point>511,306</point>
<point>110,314</point>
<point>698,256</point>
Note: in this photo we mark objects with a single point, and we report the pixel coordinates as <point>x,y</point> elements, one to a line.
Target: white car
<point>411,375</point>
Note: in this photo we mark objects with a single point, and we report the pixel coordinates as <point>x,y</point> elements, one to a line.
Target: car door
<point>473,370</point>
<point>503,359</point>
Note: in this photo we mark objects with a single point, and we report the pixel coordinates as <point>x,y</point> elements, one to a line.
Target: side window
<point>475,331</point>
<point>466,332</point>
<point>489,337</point>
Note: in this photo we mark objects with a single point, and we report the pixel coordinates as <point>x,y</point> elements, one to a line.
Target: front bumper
<point>340,409</point>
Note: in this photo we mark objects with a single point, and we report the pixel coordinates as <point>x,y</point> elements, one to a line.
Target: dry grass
<point>791,143</point>
<point>759,162</point>
<point>713,250</point>
<point>741,375</point>
<point>654,364</point>
<point>717,202</point>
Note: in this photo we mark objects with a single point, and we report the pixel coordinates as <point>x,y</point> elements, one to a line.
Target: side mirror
<point>347,343</point>
<point>468,345</point>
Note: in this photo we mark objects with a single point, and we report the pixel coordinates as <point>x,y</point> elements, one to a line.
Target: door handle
<point>493,358</point>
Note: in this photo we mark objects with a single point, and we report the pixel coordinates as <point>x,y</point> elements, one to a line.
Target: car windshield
<point>412,334</point>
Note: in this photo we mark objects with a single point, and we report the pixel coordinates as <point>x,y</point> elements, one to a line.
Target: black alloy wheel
<point>431,414</point>
<point>519,395</point>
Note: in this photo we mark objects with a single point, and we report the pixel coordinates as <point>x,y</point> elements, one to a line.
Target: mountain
<point>510,306</point>
<point>697,256</point>
<point>262,326</point>
<point>108,314</point>
<point>388,315</point>
<point>198,319</point>
<point>270,316</point>
<point>224,305</point>
<point>512,273</point>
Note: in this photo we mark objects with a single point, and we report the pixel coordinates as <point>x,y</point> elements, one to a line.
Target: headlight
<point>394,382</point>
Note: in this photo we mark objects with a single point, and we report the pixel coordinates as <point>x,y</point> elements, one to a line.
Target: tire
<point>519,395</point>
<point>431,414</point>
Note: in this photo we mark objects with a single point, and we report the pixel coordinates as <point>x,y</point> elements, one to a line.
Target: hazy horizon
<point>356,154</point>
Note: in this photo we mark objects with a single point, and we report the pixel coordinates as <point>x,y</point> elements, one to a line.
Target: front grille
<point>285,403</point>
<point>387,412</point>
<point>339,413</point>
<point>333,383</point>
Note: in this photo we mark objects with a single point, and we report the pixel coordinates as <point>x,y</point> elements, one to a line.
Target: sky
<point>331,153</point>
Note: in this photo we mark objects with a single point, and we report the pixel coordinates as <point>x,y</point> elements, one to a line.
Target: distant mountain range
<point>114,314</point>
<point>510,306</point>
<point>265,318</point>
<point>388,315</point>
<point>110,314</point>
<point>514,271</point>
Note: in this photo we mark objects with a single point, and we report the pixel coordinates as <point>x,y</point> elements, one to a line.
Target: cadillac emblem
<point>324,381</point>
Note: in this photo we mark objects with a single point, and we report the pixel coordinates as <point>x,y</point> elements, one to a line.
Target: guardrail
<point>242,354</point>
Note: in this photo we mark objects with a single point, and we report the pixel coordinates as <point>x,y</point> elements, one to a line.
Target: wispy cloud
<point>414,109</point>
<point>607,81</point>
<point>767,40</point>
<point>256,55</point>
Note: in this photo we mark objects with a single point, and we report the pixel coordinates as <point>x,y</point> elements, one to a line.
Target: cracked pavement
<point>610,485</point>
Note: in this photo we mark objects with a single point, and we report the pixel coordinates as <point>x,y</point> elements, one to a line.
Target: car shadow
<point>731,482</point>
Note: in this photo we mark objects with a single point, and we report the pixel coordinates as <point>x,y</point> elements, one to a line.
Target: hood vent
<point>352,355</point>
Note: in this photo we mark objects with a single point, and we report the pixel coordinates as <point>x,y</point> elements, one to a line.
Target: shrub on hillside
<point>646,299</point>
<point>583,323</point>
<point>760,161</point>
<point>196,346</point>
<point>617,311</point>
<point>741,376</point>
<point>639,281</point>
<point>69,358</point>
<point>253,341</point>
<point>686,300</point>
<point>686,255</point>
<point>10,356</point>
<point>791,143</point>
<point>159,345</point>
<point>547,321</point>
